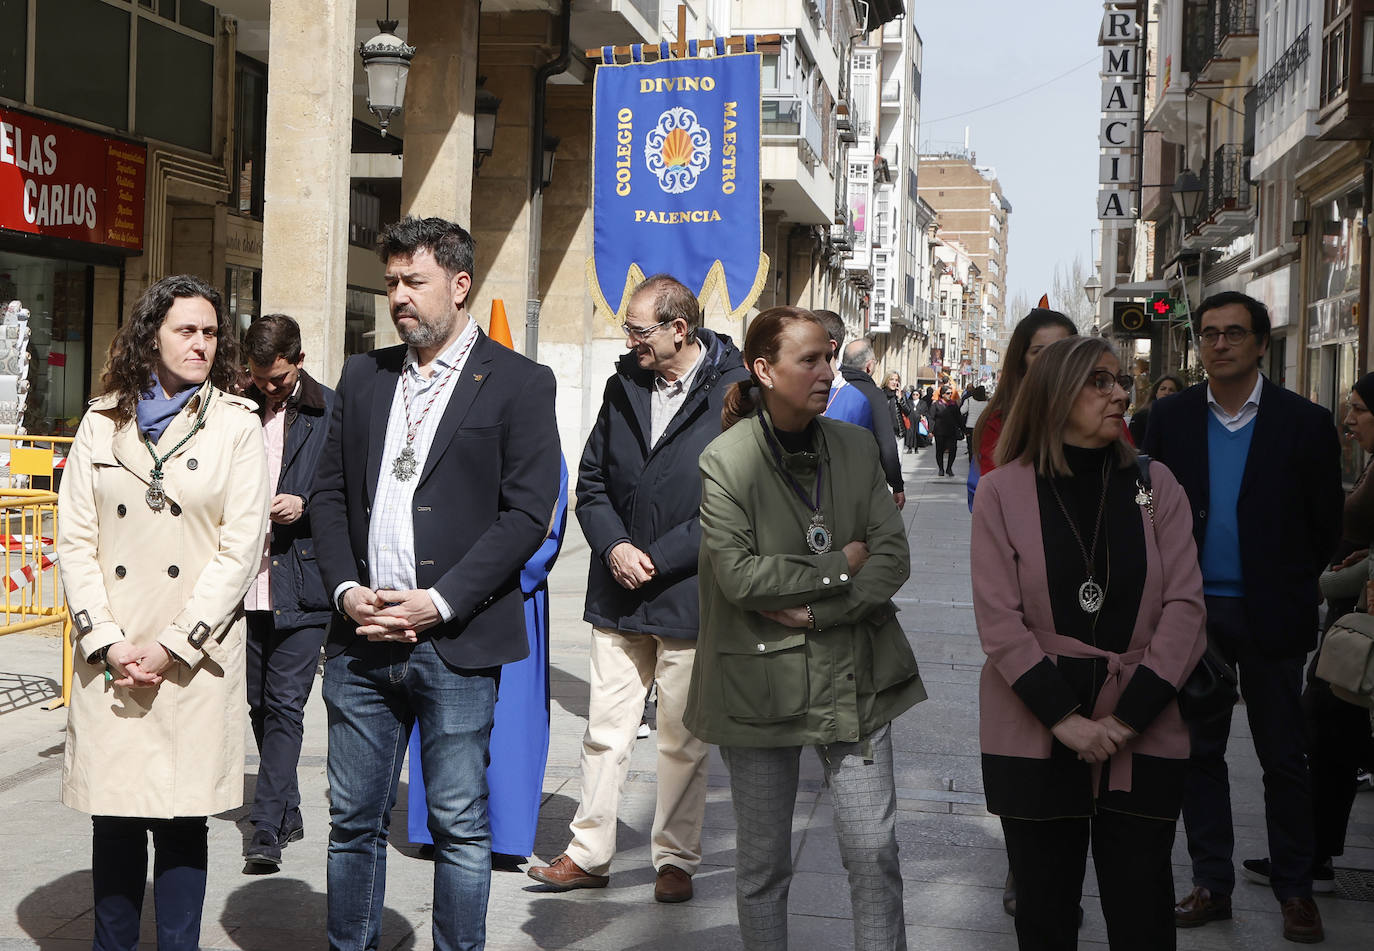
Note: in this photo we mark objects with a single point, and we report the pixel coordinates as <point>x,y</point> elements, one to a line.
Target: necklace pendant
<point>404,466</point>
<point>1090,596</point>
<point>155,496</point>
<point>817,535</point>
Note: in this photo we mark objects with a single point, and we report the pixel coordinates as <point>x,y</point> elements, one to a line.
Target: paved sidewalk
<point>952,856</point>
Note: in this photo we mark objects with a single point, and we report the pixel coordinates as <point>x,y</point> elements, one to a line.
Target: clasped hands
<point>856,553</point>
<point>388,615</point>
<point>137,665</point>
<point>1095,741</point>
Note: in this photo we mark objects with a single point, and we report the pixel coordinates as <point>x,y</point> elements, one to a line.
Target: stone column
<point>437,176</point>
<point>309,131</point>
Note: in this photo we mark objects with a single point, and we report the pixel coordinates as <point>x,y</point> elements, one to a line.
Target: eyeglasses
<point>1104,380</point>
<point>642,333</point>
<point>1233,335</point>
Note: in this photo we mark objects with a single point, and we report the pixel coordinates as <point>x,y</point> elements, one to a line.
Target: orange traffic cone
<point>498,329</point>
<point>1044,301</point>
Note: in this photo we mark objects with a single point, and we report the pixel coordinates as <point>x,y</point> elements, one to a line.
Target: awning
<point>1138,289</point>
<point>883,11</point>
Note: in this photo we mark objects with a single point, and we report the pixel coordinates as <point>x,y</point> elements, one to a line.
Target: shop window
<point>176,76</point>
<point>197,16</point>
<point>244,293</point>
<point>364,217</point>
<point>94,35</point>
<point>53,378</point>
<point>250,132</point>
<point>14,47</point>
<point>360,319</point>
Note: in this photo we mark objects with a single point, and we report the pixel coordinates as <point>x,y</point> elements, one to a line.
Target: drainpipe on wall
<point>541,77</point>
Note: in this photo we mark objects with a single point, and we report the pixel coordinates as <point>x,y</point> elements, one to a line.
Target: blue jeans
<point>119,870</point>
<point>374,694</point>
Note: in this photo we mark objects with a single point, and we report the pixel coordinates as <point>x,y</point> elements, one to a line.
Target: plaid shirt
<point>391,530</point>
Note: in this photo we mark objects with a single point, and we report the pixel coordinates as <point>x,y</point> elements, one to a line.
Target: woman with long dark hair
<point>1167,385</point>
<point>164,508</point>
<point>1088,598</point>
<point>1033,333</point>
<point>802,550</point>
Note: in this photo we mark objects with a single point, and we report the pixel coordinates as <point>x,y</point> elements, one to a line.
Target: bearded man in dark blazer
<point>437,484</point>
<point>1261,466</point>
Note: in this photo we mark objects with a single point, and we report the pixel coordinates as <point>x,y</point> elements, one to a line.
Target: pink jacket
<point>1016,623</point>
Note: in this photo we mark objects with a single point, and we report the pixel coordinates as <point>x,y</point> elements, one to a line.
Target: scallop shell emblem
<point>677,149</point>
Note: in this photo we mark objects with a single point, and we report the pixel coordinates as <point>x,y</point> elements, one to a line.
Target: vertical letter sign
<point>675,186</point>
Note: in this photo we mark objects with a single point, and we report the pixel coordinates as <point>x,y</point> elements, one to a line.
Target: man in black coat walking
<point>638,495</point>
<point>1261,466</point>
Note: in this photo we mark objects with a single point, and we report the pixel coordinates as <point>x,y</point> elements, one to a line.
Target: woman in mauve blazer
<point>1089,605</point>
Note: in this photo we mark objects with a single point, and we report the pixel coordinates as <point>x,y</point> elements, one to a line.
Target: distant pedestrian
<point>638,500</point>
<point>892,390</point>
<point>1167,385</point>
<point>802,550</point>
<point>947,424</point>
<point>286,606</point>
<point>164,507</point>
<point>974,403</point>
<point>910,416</point>
<point>855,380</point>
<point>1089,607</point>
<point>1261,466</point>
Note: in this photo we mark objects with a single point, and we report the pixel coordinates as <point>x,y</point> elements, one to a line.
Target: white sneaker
<point>643,732</point>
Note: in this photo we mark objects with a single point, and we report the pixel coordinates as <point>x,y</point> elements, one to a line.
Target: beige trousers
<point>622,668</point>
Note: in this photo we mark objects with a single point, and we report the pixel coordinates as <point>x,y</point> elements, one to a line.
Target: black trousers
<point>1272,689</point>
<point>1134,877</point>
<point>119,872</point>
<point>1338,745</point>
<point>946,449</point>
<point>280,670</point>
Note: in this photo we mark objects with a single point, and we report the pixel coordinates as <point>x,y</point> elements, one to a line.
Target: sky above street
<point>1043,144</point>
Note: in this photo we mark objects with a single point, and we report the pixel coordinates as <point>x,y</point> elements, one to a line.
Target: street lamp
<point>386,61</point>
<point>1188,193</point>
<point>484,123</point>
<point>1093,288</point>
<point>550,147</point>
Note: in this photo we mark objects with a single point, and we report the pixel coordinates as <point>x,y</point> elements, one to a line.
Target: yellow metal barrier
<point>28,530</point>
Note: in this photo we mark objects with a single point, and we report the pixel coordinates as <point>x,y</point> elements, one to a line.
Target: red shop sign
<point>63,182</point>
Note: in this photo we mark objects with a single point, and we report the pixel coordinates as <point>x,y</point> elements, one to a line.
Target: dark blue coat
<point>298,595</point>
<point>1289,510</point>
<point>648,495</point>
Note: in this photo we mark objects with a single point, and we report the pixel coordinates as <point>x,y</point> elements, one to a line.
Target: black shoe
<point>292,828</point>
<point>1323,874</point>
<point>263,853</point>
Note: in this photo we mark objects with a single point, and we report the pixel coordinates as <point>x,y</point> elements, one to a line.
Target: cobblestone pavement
<point>952,856</point>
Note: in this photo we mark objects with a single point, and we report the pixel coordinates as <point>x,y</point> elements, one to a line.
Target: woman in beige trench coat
<point>163,507</point>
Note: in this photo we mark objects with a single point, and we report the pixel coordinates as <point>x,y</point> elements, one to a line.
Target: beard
<point>425,334</point>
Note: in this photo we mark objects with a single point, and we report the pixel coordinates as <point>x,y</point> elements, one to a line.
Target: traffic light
<point>1161,307</point>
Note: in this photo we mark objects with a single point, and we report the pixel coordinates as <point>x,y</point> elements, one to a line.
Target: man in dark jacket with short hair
<point>638,495</point>
<point>287,607</point>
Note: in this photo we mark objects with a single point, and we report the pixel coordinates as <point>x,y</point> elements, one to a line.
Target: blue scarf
<point>156,410</point>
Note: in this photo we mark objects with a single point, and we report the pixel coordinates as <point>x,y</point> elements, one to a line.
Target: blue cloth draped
<point>520,733</point>
<point>155,410</point>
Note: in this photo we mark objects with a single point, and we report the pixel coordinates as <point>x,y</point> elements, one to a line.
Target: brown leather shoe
<point>672,885</point>
<point>1201,906</point>
<point>563,874</point>
<point>1302,922</point>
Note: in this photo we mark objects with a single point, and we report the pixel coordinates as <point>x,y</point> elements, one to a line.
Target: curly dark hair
<point>451,244</point>
<point>133,356</point>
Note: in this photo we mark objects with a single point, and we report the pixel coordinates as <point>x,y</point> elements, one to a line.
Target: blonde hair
<point>1034,429</point>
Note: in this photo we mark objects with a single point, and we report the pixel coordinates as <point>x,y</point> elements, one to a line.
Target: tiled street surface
<point>952,856</point>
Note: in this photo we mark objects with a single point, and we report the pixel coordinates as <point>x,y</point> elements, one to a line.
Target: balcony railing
<point>1236,18</point>
<point>1336,39</point>
<point>1228,189</point>
<point>1283,69</point>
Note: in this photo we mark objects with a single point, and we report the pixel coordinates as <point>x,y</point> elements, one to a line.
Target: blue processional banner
<point>676,185</point>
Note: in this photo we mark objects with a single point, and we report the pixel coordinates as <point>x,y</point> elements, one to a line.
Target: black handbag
<point>1213,686</point>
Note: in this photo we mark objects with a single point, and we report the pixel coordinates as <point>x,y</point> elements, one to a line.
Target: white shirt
<point>391,530</point>
<point>668,397</point>
<point>1247,412</point>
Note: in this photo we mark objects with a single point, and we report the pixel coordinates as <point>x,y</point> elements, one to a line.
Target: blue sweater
<point>1220,557</point>
<point>850,405</point>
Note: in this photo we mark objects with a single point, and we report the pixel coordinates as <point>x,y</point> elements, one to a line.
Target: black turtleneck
<point>802,441</point>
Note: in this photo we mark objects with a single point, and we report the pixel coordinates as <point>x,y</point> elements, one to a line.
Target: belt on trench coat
<point>1107,697</point>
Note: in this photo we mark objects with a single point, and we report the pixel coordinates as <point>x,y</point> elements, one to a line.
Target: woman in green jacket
<point>802,550</point>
